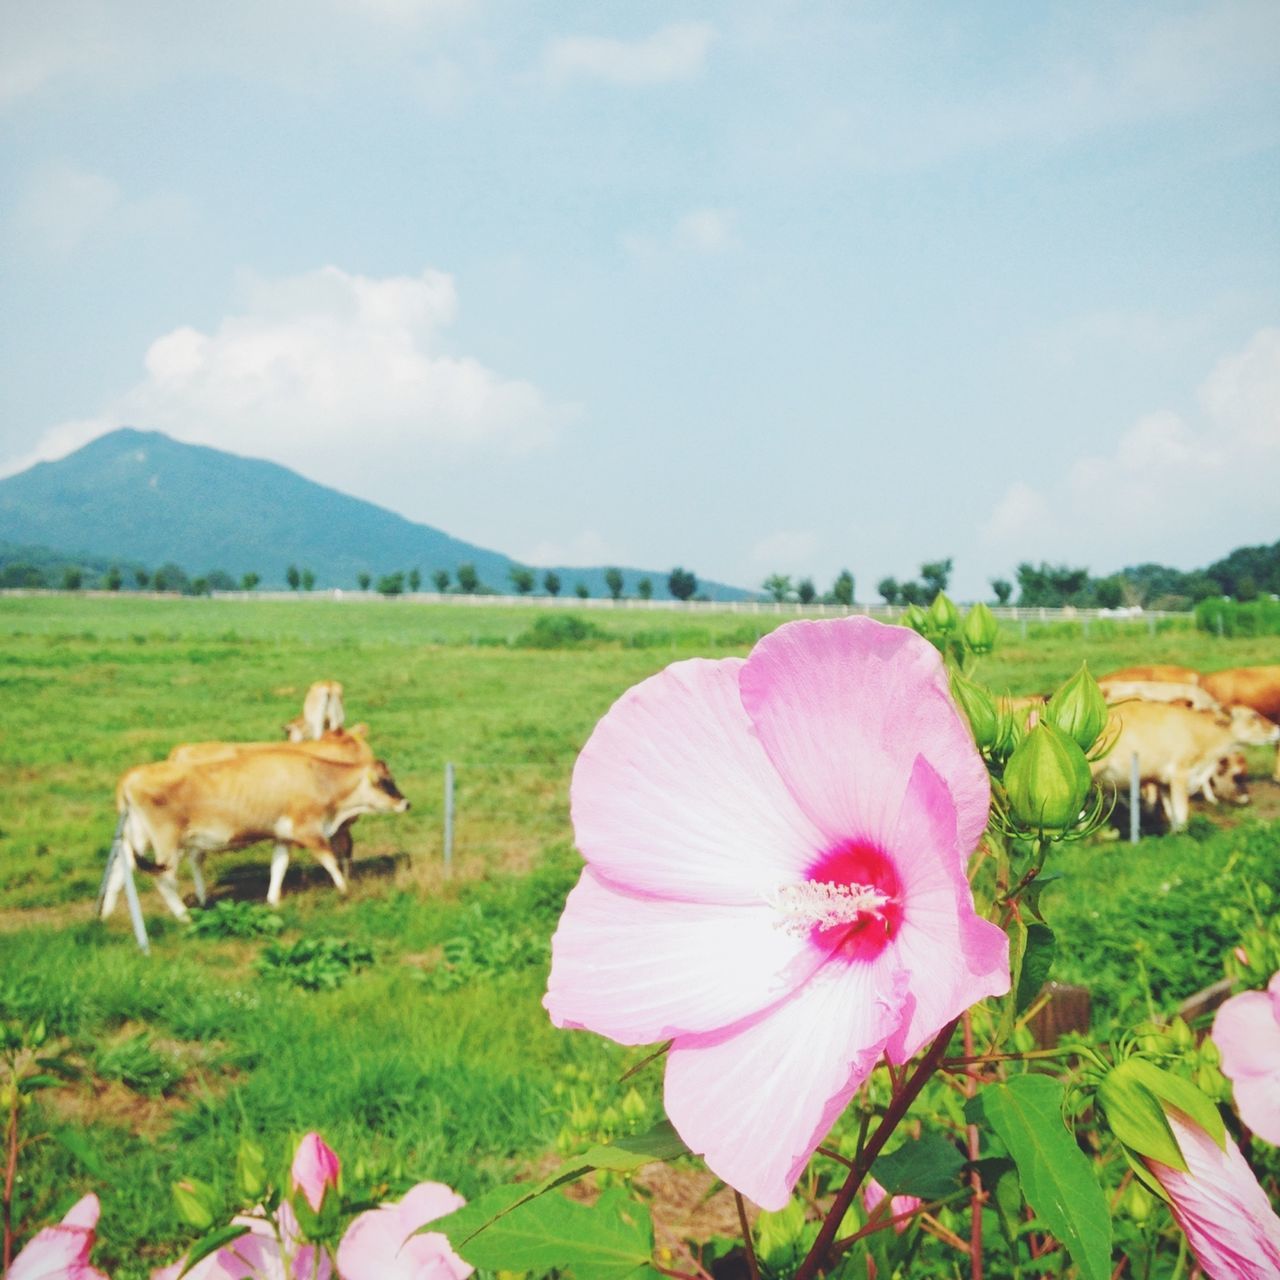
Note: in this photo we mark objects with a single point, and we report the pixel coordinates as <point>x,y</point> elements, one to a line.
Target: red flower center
<point>863,880</point>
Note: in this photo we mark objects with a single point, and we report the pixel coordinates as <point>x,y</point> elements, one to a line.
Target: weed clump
<point>314,964</point>
<point>560,631</point>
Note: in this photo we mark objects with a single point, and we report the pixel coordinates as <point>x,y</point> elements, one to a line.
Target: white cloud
<point>674,52</point>
<point>329,372</point>
<point>785,551</point>
<point>61,206</point>
<point>705,230</point>
<point>586,548</point>
<point>1171,490</point>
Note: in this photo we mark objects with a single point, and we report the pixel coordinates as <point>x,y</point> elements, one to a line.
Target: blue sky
<point>748,287</point>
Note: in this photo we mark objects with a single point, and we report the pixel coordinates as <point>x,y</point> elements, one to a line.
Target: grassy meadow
<point>419,1044</point>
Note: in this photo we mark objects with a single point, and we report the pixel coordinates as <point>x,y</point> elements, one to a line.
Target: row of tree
<point>680,582</point>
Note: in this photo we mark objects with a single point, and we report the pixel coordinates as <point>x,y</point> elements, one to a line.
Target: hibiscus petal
<point>954,957</point>
<point>842,707</point>
<point>756,1100</point>
<point>1247,1033</point>
<point>673,796</point>
<point>63,1249</point>
<point>645,969</point>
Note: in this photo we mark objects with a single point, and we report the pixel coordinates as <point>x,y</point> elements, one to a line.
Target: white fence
<point>788,608</point>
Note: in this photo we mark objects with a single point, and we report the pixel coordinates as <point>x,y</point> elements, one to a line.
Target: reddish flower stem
<point>977,1197</point>
<point>753,1268</point>
<point>898,1106</point>
<point>10,1173</point>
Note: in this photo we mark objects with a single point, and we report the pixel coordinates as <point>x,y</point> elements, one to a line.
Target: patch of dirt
<point>108,1102</point>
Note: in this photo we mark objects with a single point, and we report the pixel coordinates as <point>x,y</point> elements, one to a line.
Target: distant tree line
<point>781,588</point>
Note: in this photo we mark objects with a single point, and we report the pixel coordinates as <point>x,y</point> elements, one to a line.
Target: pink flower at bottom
<point>873,1195</point>
<point>1230,1226</point>
<point>259,1255</point>
<point>315,1169</point>
<point>776,857</point>
<point>61,1252</point>
<point>381,1244</point>
<point>1247,1033</point>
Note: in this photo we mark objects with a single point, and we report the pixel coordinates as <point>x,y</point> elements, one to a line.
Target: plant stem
<point>753,1268</point>
<point>901,1101</point>
<point>10,1173</point>
<point>978,1196</point>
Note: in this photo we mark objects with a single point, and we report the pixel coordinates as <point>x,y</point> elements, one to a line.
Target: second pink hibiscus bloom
<point>776,881</point>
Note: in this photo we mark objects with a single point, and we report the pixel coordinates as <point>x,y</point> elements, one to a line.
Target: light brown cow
<point>1178,749</point>
<point>1188,695</point>
<point>322,709</point>
<point>169,809</point>
<point>1157,671</point>
<point>1256,687</point>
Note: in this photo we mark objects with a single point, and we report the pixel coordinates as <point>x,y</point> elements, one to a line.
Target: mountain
<point>141,496</point>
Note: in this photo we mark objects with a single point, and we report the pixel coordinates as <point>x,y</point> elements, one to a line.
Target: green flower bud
<point>633,1107</point>
<point>251,1170</point>
<point>1079,709</point>
<point>914,616</point>
<point>1181,1035</point>
<point>979,708</point>
<point>943,615</point>
<point>980,629</point>
<point>195,1202</point>
<point>1138,1202</point>
<point>1047,779</point>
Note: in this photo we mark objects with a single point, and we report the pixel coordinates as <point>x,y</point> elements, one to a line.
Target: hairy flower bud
<point>1047,779</point>
<point>1079,709</point>
<point>979,708</point>
<point>943,615</point>
<point>980,629</point>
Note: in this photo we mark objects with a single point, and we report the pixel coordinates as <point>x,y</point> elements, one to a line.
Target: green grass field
<point>434,1060</point>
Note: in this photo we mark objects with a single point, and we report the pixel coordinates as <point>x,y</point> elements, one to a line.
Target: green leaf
<point>1135,1096</point>
<point>611,1241</point>
<point>211,1243</point>
<point>627,1154</point>
<point>1037,961</point>
<point>75,1142</point>
<point>1030,897</point>
<point>927,1167</point>
<point>31,1083</point>
<point>1057,1178</point>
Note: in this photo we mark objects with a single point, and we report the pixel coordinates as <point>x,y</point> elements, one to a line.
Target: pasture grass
<point>435,1060</point>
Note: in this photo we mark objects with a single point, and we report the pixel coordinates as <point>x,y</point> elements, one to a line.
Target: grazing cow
<point>1178,675</point>
<point>283,795</point>
<point>1178,749</point>
<point>349,745</point>
<point>322,709</point>
<point>1187,695</point>
<point>1256,687</point>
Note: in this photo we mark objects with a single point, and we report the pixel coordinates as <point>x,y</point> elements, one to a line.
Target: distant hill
<point>140,497</point>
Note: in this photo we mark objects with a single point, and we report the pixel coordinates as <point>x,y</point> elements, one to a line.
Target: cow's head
<point>378,790</point>
<point>1231,779</point>
<point>1255,730</point>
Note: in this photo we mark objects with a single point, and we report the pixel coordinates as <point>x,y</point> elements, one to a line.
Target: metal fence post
<point>448,818</point>
<point>1135,792</point>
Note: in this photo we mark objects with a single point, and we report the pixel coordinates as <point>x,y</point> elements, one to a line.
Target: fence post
<point>1135,796</point>
<point>448,818</point>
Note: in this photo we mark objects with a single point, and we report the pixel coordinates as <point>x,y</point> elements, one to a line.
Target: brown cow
<point>1178,749</point>
<point>1178,675</point>
<point>322,709</point>
<point>286,796</point>
<point>1256,687</point>
<point>1115,690</point>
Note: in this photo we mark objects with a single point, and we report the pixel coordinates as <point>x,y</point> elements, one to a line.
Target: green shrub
<point>1224,617</point>
<point>138,1065</point>
<point>229,919</point>
<point>315,964</point>
<point>560,631</point>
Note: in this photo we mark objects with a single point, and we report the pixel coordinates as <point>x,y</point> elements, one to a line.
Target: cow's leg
<point>167,886</point>
<point>324,856</point>
<point>279,865</point>
<point>342,843</point>
<point>113,883</point>
<point>1179,801</point>
<point>197,875</point>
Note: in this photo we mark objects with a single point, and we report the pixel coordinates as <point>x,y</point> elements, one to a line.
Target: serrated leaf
<point>1037,962</point>
<point>1057,1179</point>
<point>927,1167</point>
<point>211,1243</point>
<point>612,1240</point>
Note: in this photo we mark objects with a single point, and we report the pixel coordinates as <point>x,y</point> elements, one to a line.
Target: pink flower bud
<point>315,1168</point>
<point>873,1195</point>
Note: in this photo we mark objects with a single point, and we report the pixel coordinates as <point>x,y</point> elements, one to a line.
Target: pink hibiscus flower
<point>259,1255</point>
<point>873,1196</point>
<point>381,1244</point>
<point>776,852</point>
<point>1247,1033</point>
<point>61,1252</point>
<point>315,1169</point>
<point>1230,1226</point>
